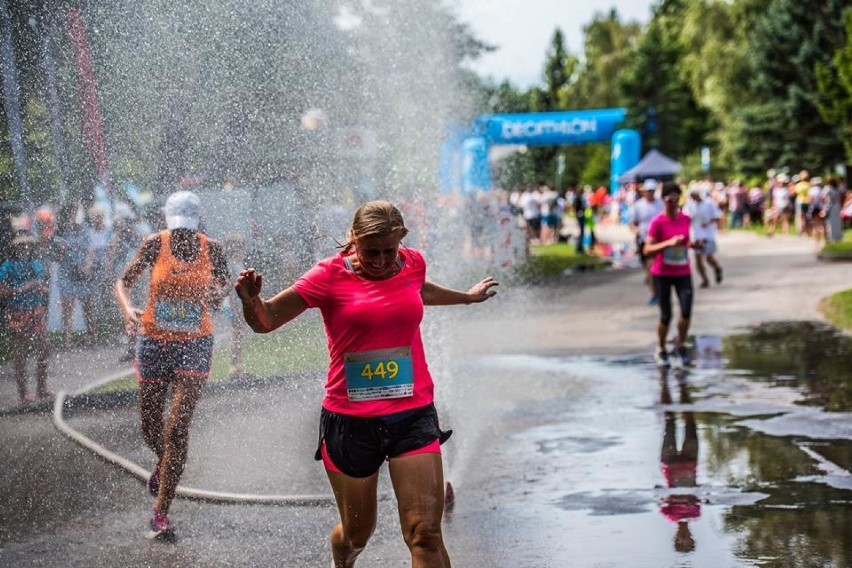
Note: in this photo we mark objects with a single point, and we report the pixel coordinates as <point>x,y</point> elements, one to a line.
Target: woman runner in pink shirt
<point>668,242</point>
<point>378,404</point>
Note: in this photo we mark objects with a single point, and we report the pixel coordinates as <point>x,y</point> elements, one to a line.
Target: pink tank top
<point>377,364</point>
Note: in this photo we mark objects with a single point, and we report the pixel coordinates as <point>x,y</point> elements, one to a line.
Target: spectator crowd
<point>80,250</point>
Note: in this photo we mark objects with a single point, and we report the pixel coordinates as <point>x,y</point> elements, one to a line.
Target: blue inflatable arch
<point>473,173</point>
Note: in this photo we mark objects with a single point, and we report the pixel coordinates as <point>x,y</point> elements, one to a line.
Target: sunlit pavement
<point>556,457</point>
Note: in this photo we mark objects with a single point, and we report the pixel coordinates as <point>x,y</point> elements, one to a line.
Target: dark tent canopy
<point>655,165</point>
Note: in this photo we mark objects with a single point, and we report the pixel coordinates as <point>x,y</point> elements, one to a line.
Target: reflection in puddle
<point>679,462</point>
<point>745,458</point>
<point>815,355</point>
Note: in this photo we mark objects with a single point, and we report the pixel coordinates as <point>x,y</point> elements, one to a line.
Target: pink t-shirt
<point>672,261</point>
<point>684,506</point>
<point>362,316</point>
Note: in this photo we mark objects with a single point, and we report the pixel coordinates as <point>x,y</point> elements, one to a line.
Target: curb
<point>143,474</point>
<point>838,257</point>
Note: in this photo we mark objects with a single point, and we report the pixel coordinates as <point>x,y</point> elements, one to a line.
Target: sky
<point>522,30</point>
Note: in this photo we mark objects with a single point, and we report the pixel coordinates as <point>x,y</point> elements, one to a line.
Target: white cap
<point>649,184</point>
<point>182,210</point>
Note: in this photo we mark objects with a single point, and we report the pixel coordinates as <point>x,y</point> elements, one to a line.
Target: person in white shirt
<point>531,206</point>
<point>782,209</point>
<point>704,215</point>
<point>549,214</point>
<point>644,210</point>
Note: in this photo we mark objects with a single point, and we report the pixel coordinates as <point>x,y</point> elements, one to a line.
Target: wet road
<point>578,461</point>
<point>557,459</point>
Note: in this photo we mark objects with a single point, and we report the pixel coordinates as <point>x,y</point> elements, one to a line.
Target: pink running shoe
<point>160,526</point>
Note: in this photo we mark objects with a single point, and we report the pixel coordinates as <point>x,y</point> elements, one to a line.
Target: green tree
<point>716,64</point>
<point>38,148</point>
<point>783,127</point>
<point>655,88</point>
<point>517,169</point>
<point>606,50</point>
<point>834,81</point>
<point>42,170</point>
<point>220,87</point>
<point>410,84</point>
<point>607,45</point>
<point>596,167</point>
<point>558,71</point>
<point>506,98</point>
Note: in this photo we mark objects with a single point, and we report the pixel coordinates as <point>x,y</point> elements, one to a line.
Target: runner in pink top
<point>672,260</point>
<point>668,241</point>
<point>379,394</point>
<point>361,315</point>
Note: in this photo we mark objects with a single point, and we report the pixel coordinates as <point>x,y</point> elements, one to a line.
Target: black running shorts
<point>358,446</point>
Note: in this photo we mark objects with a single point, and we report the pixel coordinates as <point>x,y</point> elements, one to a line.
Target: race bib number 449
<point>379,374</point>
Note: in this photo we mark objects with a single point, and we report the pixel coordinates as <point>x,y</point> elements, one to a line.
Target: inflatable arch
<point>473,173</point>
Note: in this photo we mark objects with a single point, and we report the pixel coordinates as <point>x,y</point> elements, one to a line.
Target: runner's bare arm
<point>220,286</point>
<point>144,258</point>
<point>262,315</point>
<point>653,247</point>
<point>434,295</point>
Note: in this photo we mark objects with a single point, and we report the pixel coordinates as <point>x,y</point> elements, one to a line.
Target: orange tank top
<point>177,307</point>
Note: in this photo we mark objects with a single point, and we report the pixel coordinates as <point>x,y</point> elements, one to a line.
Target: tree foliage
<point>219,88</point>
<point>655,88</point>
<point>763,83</point>
<point>606,52</point>
<point>558,70</point>
<point>783,127</point>
<point>834,81</point>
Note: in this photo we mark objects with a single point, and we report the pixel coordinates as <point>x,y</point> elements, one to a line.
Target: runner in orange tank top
<point>189,274</point>
<point>175,312</point>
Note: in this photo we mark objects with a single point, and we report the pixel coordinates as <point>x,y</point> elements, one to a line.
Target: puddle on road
<point>744,460</point>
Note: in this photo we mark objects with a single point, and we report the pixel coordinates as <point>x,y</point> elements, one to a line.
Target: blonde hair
<point>375,218</point>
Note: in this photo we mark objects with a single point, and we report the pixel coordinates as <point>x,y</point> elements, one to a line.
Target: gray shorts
<point>709,247</point>
<point>159,360</point>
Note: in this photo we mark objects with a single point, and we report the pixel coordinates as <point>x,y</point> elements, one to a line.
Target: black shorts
<point>359,446</point>
<point>640,251</point>
<point>683,287</point>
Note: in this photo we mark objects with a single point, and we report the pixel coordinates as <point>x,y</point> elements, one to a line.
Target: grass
<point>842,247</point>
<point>298,347</point>
<point>552,260</point>
<point>756,229</point>
<point>837,309</point>
<point>839,248</point>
